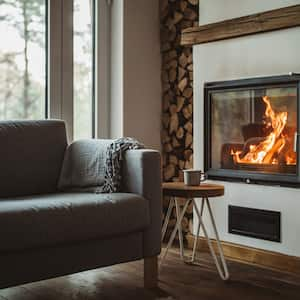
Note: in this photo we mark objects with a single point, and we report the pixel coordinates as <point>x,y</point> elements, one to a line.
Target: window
<point>48,64</point>
<point>83,28</point>
<point>23,59</point>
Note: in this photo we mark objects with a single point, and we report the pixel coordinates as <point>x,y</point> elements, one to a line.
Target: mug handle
<point>203,177</point>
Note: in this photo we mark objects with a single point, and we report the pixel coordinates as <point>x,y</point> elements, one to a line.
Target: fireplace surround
<point>267,54</point>
<point>251,130</point>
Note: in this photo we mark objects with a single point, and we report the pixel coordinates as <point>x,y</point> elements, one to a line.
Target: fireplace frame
<point>290,180</point>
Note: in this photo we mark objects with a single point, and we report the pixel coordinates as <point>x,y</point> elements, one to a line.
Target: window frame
<point>102,65</point>
<point>60,104</point>
<point>59,69</point>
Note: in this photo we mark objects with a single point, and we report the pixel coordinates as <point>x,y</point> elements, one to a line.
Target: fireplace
<point>251,130</point>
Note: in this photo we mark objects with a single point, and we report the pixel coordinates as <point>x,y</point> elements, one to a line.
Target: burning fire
<point>276,147</point>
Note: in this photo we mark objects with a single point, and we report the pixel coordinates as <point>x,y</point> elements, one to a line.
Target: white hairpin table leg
<point>167,218</point>
<point>220,248</point>
<point>177,226</point>
<point>198,232</point>
<point>224,274</point>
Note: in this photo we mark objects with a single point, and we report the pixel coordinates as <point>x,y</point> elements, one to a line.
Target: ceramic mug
<point>193,177</point>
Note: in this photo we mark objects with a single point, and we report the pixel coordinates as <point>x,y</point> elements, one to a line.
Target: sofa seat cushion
<point>52,219</point>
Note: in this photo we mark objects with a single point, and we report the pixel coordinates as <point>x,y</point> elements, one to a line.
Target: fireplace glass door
<point>253,129</point>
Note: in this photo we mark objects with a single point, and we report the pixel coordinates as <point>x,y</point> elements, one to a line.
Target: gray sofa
<point>45,233</point>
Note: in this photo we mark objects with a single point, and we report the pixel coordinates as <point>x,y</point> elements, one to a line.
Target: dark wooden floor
<point>177,281</point>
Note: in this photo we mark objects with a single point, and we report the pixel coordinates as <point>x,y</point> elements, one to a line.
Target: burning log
<point>271,156</point>
<point>271,148</point>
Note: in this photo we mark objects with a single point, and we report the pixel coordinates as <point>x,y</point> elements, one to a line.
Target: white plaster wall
<point>218,10</point>
<point>135,74</point>
<point>142,64</point>
<point>272,53</point>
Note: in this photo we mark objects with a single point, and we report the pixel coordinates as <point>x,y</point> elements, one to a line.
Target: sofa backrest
<point>31,156</point>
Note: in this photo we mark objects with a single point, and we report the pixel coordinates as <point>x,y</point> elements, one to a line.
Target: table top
<point>179,189</point>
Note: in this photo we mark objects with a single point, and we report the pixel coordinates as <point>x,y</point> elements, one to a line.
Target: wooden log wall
<point>177,97</point>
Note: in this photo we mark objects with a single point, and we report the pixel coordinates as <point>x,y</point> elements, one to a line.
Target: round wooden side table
<point>203,191</point>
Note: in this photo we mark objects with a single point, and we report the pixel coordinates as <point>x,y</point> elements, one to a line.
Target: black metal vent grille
<point>256,223</point>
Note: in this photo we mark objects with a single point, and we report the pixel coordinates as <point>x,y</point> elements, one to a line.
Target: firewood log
<point>173,64</point>
<point>165,87</point>
<point>166,103</point>
<point>187,51</point>
<point>189,163</point>
<point>194,2</point>
<point>177,17</point>
<point>181,73</point>
<point>188,126</point>
<point>187,111</point>
<point>165,136</point>
<point>170,23</point>
<point>165,77</point>
<point>168,147</point>
<point>172,34</point>
<point>180,133</point>
<point>190,67</point>
<point>173,109</point>
<point>182,84</point>
<point>188,140</point>
<point>173,160</point>
<point>183,60</point>
<point>166,120</point>
<point>165,47</point>
<point>175,142</point>
<point>171,55</point>
<point>181,164</point>
<point>186,24</point>
<point>174,122</point>
<point>188,92</point>
<point>187,154</point>
<point>183,5</point>
<point>172,74</point>
<point>190,14</point>
<point>180,102</point>
<point>164,160</point>
<point>163,5</point>
<point>169,172</point>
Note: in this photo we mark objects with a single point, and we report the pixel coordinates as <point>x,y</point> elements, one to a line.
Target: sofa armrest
<point>142,175</point>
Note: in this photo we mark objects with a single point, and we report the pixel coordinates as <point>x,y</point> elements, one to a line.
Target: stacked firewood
<point>177,87</point>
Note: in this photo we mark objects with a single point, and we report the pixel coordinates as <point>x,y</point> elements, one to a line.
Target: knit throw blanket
<point>95,165</point>
<point>114,157</point>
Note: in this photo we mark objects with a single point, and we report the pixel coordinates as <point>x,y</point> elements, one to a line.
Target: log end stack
<point>177,87</point>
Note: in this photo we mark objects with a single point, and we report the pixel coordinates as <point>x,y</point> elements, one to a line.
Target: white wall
<point>142,65</point>
<point>211,11</point>
<point>138,80</point>
<point>272,53</point>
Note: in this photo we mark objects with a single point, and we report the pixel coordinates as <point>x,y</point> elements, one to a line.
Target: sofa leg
<point>150,272</point>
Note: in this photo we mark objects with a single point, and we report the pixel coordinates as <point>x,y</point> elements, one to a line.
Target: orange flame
<point>268,150</point>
